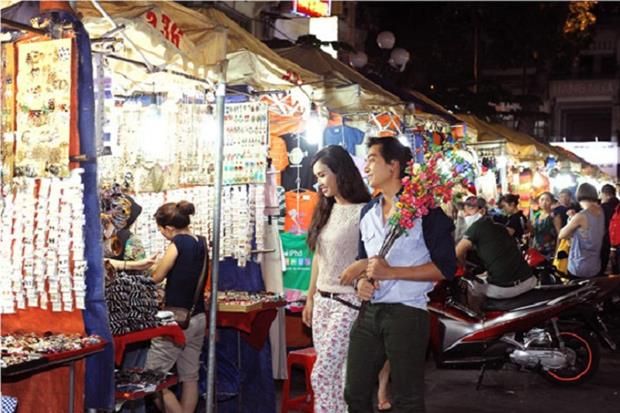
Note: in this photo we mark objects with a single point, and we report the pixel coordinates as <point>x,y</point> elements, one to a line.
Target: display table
<point>253,325</point>
<point>173,331</point>
<point>23,371</point>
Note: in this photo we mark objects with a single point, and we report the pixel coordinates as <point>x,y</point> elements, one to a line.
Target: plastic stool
<point>305,403</point>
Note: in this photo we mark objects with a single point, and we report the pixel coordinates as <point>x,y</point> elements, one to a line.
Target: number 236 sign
<point>166,26</point>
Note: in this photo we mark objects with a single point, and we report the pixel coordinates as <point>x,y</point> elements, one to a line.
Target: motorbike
<point>597,312</point>
<point>527,331</point>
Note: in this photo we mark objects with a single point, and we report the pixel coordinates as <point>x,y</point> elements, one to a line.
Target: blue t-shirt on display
<point>345,136</point>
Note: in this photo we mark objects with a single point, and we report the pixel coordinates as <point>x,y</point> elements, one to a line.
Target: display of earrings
<point>43,220</point>
<point>242,219</point>
<point>245,143</point>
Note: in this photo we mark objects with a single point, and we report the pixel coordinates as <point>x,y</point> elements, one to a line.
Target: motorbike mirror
<point>562,255</point>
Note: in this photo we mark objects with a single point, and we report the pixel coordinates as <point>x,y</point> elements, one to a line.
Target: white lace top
<point>337,247</point>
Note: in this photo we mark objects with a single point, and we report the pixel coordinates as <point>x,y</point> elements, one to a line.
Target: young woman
<point>181,267</point>
<point>545,226</point>
<point>585,230</point>
<point>331,308</point>
<point>517,224</point>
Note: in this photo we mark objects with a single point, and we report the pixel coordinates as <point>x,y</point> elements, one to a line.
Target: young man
<point>508,273</point>
<point>395,324</point>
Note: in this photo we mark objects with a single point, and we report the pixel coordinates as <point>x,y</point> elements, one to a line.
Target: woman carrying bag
<point>183,266</point>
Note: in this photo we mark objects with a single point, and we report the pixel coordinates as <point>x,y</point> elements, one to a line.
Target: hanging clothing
<point>299,209</point>
<point>584,258</point>
<point>345,136</point>
<point>290,174</point>
<point>486,186</point>
<point>298,261</point>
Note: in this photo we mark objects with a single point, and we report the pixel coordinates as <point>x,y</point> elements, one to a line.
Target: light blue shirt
<point>409,250</point>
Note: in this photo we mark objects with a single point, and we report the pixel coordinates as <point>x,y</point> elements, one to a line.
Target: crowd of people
<point>369,312</point>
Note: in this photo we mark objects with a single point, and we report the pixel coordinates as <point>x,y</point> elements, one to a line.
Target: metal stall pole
<point>215,264</point>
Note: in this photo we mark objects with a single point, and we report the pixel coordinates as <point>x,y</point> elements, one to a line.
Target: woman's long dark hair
<point>350,186</point>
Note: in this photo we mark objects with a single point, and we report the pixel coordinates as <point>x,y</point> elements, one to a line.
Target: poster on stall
<point>7,105</point>
<point>43,108</point>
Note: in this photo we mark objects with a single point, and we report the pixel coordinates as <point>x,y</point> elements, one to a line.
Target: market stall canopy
<point>345,90</point>
<point>252,62</point>
<point>422,102</point>
<point>519,145</point>
<point>165,34</point>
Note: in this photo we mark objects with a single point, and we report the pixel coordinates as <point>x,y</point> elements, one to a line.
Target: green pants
<point>400,334</point>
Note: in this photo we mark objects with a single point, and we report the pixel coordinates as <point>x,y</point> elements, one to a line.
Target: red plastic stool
<point>305,403</point>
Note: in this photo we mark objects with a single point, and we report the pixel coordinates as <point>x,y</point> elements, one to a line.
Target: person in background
<point>517,224</point>
<point>609,202</point>
<point>565,206</point>
<point>585,230</point>
<point>508,273</point>
<point>545,226</point>
<point>181,267</point>
<point>330,307</point>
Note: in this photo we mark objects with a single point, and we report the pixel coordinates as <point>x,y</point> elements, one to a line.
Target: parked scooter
<point>525,331</point>
<point>594,312</point>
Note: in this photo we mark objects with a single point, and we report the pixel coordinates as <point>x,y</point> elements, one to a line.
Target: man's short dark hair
<point>392,150</point>
<point>608,189</point>
<point>476,202</point>
<point>567,191</point>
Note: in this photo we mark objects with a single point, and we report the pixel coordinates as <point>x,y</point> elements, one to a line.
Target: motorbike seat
<point>537,295</point>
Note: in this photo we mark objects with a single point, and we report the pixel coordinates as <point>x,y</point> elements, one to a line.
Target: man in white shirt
<point>395,324</point>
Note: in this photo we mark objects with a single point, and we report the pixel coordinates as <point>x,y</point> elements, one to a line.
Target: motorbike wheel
<point>587,351</point>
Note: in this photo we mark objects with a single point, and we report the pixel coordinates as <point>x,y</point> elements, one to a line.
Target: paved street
<point>509,391</point>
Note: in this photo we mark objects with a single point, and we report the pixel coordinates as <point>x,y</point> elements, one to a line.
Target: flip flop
<point>384,406</point>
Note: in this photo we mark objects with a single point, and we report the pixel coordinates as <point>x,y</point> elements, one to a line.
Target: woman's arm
<point>571,227</point>
<point>164,266</point>
<point>353,271</point>
<point>133,265</point>
<point>306,315</point>
<point>557,223</point>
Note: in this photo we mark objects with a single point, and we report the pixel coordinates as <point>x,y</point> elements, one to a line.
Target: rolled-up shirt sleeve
<point>437,229</point>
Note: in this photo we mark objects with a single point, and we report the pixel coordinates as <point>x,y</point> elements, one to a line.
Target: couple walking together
<point>391,335</point>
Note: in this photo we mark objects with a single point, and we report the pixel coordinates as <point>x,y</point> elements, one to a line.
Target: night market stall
<point>158,143</point>
<point>53,294</point>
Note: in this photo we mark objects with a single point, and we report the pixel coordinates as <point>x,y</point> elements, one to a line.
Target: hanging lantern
<point>386,40</point>
<point>358,60</point>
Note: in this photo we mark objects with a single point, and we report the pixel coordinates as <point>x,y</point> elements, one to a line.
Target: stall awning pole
<point>215,263</point>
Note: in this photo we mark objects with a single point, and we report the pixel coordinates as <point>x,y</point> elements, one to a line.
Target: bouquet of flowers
<point>427,185</point>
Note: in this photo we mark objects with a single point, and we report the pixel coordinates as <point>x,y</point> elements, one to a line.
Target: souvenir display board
<point>7,106</point>
<point>43,104</point>
<point>245,143</point>
<point>242,218</point>
<point>42,228</point>
<point>163,142</point>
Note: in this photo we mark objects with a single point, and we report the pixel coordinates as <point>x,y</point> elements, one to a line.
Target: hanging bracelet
<point>124,265</point>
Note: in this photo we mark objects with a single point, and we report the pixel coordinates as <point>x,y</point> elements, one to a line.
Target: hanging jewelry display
<point>46,263</point>
<point>245,143</point>
<point>43,108</point>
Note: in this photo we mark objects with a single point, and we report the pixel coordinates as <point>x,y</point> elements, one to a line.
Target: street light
<point>386,40</point>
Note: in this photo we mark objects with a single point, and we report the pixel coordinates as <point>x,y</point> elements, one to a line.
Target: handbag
<point>183,315</point>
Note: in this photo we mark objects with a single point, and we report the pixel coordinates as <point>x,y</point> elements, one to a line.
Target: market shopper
<point>609,202</point>
<point>585,230</point>
<point>395,325</point>
<point>330,307</point>
<point>517,224</point>
<point>545,226</point>
<point>181,267</point>
<point>507,273</point>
